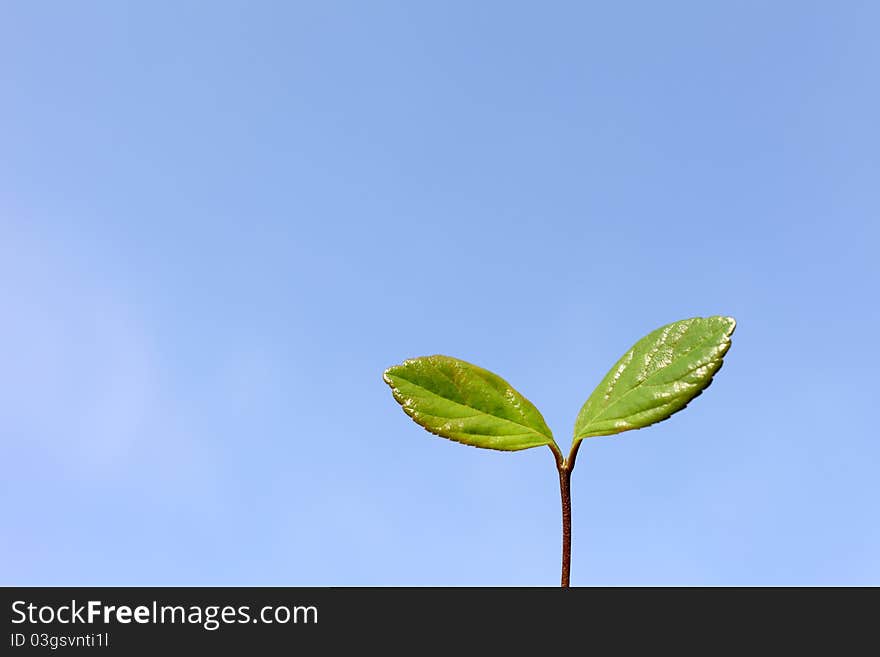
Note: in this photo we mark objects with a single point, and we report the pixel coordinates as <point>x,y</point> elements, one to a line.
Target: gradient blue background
<point>220,222</point>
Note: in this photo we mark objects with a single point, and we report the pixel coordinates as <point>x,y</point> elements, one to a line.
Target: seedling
<point>657,377</point>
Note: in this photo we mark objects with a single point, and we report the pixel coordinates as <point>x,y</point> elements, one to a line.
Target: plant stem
<point>565,467</point>
<point>565,492</point>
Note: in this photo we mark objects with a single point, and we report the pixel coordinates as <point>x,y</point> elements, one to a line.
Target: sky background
<point>220,222</point>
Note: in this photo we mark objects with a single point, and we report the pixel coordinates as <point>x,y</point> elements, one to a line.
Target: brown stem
<point>565,467</point>
<point>565,491</point>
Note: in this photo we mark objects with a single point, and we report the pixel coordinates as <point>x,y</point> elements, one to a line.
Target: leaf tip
<point>731,324</point>
<point>386,375</point>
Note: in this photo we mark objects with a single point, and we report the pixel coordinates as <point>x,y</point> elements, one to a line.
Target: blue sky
<point>220,222</point>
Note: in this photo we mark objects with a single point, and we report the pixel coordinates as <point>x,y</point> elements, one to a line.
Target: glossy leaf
<point>465,403</point>
<point>658,376</point>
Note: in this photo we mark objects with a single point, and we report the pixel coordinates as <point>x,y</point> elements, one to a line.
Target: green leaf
<point>658,376</point>
<point>463,402</point>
